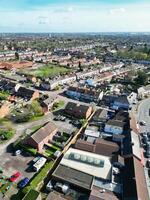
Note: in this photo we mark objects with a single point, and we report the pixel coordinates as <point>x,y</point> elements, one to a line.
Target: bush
<point>27,148</point>
<point>6,134</point>
<point>4,95</point>
<point>20,118</point>
<point>36,109</point>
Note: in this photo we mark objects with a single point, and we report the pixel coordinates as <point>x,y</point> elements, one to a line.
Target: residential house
<point>121,103</point>
<point>83,94</point>
<point>48,103</point>
<point>98,193</point>
<point>100,146</point>
<point>143,91</point>
<point>100,116</point>
<point>42,136</point>
<point>51,85</point>
<point>9,86</point>
<point>114,127</point>
<point>27,94</point>
<point>79,111</point>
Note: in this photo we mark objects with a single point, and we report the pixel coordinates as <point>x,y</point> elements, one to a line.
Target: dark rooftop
<point>73,176</point>
<point>115,123</point>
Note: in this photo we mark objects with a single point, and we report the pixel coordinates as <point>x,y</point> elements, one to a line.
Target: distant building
<point>84,94</point>
<point>143,91</point>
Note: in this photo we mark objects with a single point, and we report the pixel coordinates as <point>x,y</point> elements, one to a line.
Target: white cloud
<point>115,11</point>
<point>75,18</point>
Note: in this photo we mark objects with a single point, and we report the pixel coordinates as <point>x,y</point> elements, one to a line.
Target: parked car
<point>23,183</point>
<point>142,123</point>
<point>18,152</point>
<point>148,163</point>
<point>15,176</point>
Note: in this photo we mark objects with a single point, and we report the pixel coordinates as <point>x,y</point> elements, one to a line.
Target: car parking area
<point>64,124</point>
<point>12,164</point>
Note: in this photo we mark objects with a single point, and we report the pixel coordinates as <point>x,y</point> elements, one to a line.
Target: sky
<point>74,15</point>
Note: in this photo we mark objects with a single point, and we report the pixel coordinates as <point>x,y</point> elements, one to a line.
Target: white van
<point>40,163</point>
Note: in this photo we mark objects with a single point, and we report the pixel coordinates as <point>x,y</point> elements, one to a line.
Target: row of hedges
<point>39,177</point>
<point>29,149</point>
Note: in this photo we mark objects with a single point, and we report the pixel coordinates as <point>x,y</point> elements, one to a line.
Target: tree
<point>80,67</point>
<point>36,109</point>
<point>16,55</point>
<point>142,78</point>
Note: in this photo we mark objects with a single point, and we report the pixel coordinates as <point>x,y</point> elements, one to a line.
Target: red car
<point>15,176</point>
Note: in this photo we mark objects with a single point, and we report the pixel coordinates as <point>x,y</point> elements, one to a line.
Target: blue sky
<point>74,15</point>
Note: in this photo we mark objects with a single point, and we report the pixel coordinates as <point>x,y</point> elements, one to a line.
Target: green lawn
<point>32,195</point>
<point>58,105</point>
<point>49,71</point>
<point>35,128</point>
<point>4,95</point>
<point>51,150</point>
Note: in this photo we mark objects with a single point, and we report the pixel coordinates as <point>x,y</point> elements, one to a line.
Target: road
<point>20,128</point>
<point>143,114</point>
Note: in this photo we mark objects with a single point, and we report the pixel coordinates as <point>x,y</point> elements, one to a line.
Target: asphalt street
<point>144,115</point>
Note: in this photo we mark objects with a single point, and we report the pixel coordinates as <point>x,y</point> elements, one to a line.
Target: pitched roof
<point>106,148</point>
<point>43,132</point>
<point>25,92</point>
<point>115,123</point>
<point>76,108</point>
<point>122,99</point>
<point>100,114</point>
<point>101,147</point>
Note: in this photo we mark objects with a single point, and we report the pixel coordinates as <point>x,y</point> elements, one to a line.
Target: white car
<point>18,152</point>
<point>142,123</point>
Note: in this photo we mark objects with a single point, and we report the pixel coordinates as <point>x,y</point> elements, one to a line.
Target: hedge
<point>39,177</point>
